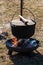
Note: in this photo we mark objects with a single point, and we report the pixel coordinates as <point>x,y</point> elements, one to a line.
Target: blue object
<point>33,43</point>
<point>9,43</point>
<point>23,43</point>
<point>29,43</point>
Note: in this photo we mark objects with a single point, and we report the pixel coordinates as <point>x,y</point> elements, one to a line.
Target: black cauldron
<point>23,31</point>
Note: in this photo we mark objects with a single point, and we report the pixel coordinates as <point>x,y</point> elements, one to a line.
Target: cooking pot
<point>22,29</point>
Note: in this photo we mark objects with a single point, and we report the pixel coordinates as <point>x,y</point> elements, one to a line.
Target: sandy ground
<point>7,9</point>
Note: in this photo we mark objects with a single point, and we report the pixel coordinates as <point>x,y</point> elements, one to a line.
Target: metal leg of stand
<point>10,52</point>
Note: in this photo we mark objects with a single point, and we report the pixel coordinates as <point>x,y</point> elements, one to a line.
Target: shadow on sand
<point>27,59</point>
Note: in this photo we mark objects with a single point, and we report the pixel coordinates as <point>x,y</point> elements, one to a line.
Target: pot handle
<point>25,22</point>
<point>31,13</point>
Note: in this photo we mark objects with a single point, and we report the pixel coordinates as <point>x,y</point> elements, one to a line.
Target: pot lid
<point>17,22</point>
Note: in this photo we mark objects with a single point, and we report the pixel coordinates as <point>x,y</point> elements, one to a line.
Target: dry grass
<point>7,9</point>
